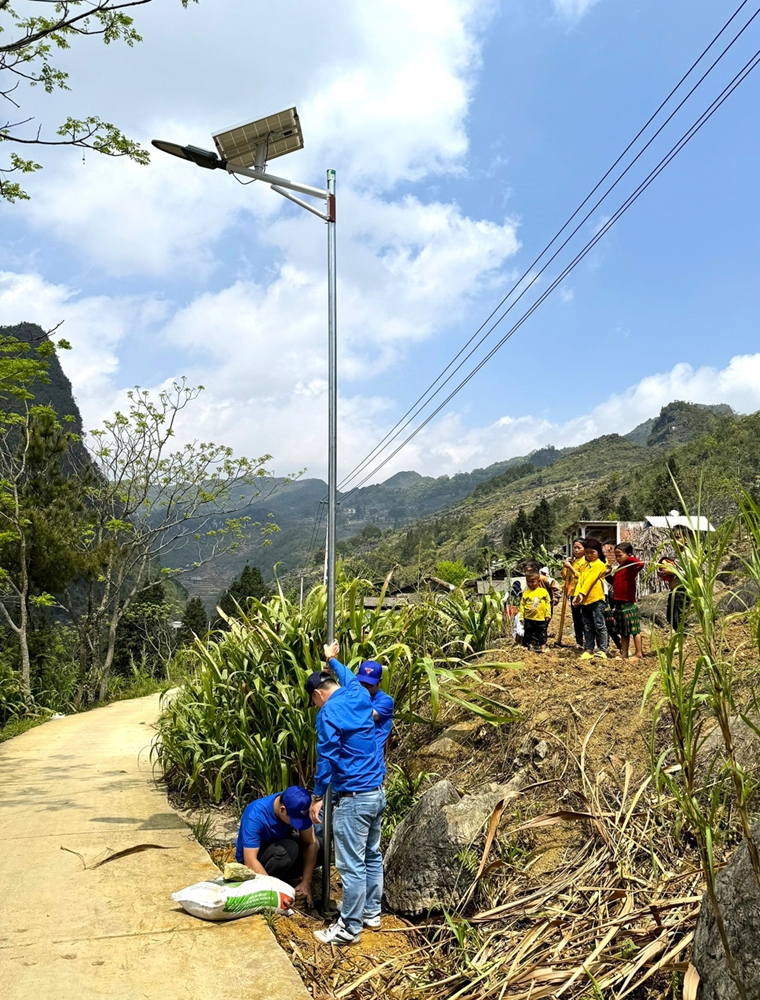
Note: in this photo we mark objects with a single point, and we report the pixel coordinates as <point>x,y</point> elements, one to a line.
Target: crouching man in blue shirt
<point>348,759</point>
<point>265,841</point>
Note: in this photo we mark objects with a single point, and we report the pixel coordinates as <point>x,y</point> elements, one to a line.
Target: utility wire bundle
<point>423,410</point>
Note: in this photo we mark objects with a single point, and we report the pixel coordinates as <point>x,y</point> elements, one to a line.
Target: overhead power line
<point>431,391</point>
<point>687,136</point>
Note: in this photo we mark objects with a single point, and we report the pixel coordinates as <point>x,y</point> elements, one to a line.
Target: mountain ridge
<point>408,497</point>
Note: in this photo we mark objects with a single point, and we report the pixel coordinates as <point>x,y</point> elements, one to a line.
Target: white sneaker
<point>336,934</point>
<point>372,922</point>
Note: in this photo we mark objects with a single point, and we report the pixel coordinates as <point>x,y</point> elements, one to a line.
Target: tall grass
<point>699,692</point>
<point>243,726</point>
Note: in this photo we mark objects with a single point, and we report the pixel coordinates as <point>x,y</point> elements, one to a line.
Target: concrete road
<point>70,932</point>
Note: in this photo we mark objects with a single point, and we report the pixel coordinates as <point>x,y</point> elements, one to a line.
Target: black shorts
<point>535,633</point>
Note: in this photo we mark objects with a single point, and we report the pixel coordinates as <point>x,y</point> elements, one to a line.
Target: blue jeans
<point>595,626</point>
<point>356,832</point>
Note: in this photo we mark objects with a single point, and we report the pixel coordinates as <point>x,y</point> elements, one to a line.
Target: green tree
<point>144,635</point>
<point>152,501</point>
<point>249,584</point>
<point>542,523</point>
<point>662,496</point>
<point>624,509</point>
<point>194,621</point>
<point>452,572</point>
<point>585,513</point>
<point>27,48</point>
<point>605,502</point>
<point>519,528</point>
<point>37,507</point>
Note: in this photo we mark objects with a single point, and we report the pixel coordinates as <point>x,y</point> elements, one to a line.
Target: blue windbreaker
<point>383,704</point>
<point>347,756</point>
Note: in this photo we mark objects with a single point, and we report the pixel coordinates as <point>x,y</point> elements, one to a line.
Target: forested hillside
<point>609,477</point>
<point>413,521</point>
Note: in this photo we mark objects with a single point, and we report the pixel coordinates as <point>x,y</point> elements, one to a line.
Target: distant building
<point>632,531</point>
<point>617,531</point>
<point>651,538</point>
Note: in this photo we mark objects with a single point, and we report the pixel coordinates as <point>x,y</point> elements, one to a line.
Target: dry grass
<point>613,916</point>
<point>605,918</point>
<point>582,891</point>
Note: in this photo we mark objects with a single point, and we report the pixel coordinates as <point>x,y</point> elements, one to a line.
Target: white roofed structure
<point>676,520</point>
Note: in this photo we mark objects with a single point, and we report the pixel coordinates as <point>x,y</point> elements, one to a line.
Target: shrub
<point>243,725</point>
<point>452,572</point>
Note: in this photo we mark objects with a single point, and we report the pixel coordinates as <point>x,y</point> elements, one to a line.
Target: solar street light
<point>245,150</point>
<point>255,143</point>
<point>200,157</point>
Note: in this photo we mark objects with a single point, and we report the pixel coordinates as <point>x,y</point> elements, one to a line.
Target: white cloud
<point>93,325</point>
<point>450,446</point>
<point>384,99</point>
<point>266,390</point>
<point>386,103</point>
<point>407,272</point>
<point>573,10</point>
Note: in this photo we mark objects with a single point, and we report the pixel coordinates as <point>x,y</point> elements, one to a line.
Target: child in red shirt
<point>624,599</point>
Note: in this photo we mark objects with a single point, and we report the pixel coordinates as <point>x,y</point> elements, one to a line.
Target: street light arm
<point>299,201</point>
<point>283,182</point>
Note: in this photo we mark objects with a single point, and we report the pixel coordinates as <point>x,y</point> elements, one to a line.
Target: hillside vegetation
<point>710,450</point>
<point>456,516</point>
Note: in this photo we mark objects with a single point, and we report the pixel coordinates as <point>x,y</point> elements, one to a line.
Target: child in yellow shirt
<point>571,570</point>
<point>535,612</point>
<point>589,597</point>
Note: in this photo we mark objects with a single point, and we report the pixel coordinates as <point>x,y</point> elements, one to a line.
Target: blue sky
<point>463,133</point>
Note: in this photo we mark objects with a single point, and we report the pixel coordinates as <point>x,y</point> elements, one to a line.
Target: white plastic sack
<point>518,629</point>
<point>220,900</point>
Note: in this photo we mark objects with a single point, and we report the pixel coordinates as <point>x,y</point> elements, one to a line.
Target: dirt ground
<point>561,702</point>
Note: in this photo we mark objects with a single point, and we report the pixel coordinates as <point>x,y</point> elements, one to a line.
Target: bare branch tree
<point>27,47</point>
<point>152,498</point>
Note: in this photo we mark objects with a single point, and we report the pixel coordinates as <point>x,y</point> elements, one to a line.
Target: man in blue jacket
<point>348,760</point>
<point>370,674</point>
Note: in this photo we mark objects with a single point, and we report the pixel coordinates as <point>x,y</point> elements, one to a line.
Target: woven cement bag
<point>220,900</point>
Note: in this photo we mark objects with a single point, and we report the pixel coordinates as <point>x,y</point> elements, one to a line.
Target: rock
<point>738,895</point>
<point>434,755</point>
<point>531,751</point>
<point>444,748</point>
<point>711,755</point>
<point>460,731</point>
<point>743,597</point>
<point>654,608</point>
<point>234,872</point>
<point>421,867</point>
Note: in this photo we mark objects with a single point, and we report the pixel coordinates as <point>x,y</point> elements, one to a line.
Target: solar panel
<point>277,134</point>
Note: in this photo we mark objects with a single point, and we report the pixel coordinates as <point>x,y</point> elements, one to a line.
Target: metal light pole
<point>245,150</point>
<point>332,406</point>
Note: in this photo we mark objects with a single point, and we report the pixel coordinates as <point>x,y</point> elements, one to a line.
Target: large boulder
<point>743,596</point>
<point>712,757</point>
<point>422,871</point>
<point>738,894</point>
<point>654,608</point>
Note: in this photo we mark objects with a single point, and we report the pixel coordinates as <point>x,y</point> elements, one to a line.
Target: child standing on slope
<point>608,550</point>
<point>624,599</point>
<point>589,597</point>
<point>535,612</point>
<point>571,570</point>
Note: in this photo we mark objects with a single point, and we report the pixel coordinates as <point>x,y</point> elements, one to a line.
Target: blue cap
<point>370,673</point>
<point>297,802</point>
